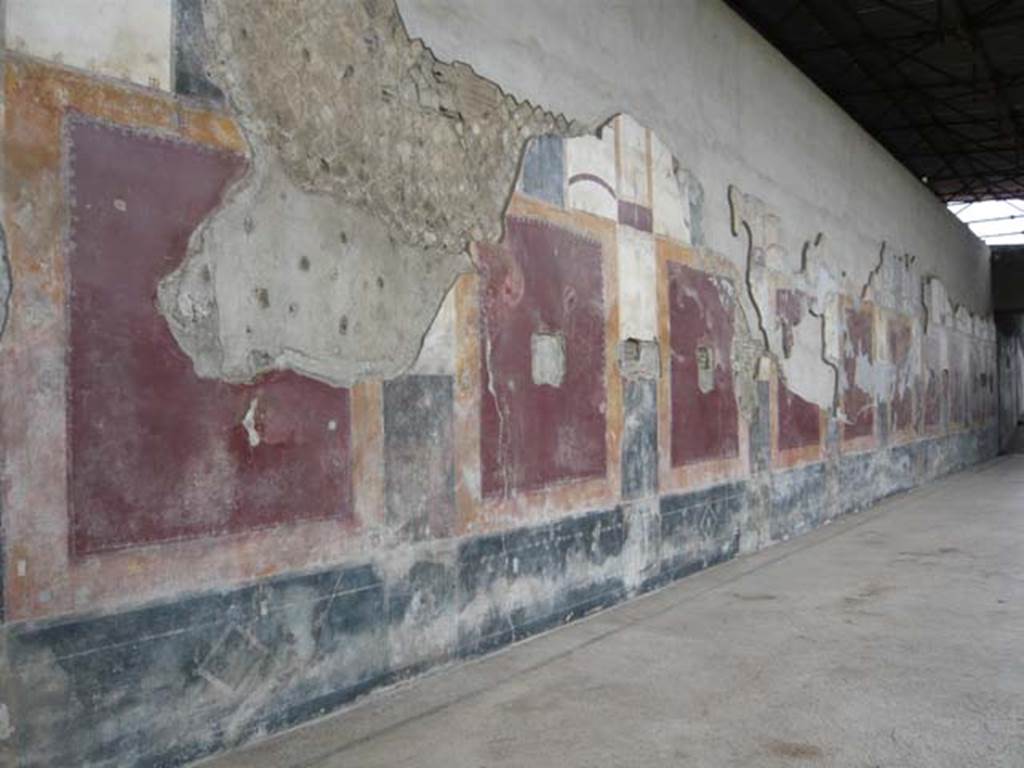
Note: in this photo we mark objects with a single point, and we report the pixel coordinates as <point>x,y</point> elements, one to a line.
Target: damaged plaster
<point>894,285</point>
<point>373,165</point>
<point>808,354</point>
<point>806,350</point>
<point>277,281</point>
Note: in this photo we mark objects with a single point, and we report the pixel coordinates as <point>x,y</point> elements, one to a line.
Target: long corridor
<point>894,637</point>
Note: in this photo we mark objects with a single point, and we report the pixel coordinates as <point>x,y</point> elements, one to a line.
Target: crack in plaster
<point>874,273</point>
<point>831,363</point>
<point>504,446</point>
<point>797,364</point>
<point>249,423</point>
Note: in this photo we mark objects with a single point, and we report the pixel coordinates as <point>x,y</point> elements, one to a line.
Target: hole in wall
<point>547,359</point>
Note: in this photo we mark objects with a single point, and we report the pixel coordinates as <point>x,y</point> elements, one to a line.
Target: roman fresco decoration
<point>156,453</point>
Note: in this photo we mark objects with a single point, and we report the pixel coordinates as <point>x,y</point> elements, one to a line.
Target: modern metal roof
<point>939,83</point>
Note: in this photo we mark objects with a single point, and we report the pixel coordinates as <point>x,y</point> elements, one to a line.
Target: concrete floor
<point>892,638</point>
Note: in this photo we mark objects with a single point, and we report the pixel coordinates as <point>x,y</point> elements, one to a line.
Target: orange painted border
<point>794,457</point>
<point>42,580</point>
<point>705,473</point>
<point>474,514</point>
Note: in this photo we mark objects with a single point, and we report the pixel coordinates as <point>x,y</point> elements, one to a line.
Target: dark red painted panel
<point>901,409</point>
<point>790,308</point>
<point>155,453</point>
<point>547,280</point>
<point>959,379</point>
<point>702,309</point>
<point>799,419</point>
<point>934,387</point>
<point>858,404</point>
<point>636,216</point>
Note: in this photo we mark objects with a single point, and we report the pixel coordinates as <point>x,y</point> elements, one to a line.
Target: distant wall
<point>1008,279</point>
<point>1011,375</point>
<point>327,359</point>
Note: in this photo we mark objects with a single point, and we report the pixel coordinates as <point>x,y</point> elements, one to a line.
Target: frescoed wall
<point>296,402</point>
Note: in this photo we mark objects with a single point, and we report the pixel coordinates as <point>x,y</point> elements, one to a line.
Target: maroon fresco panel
<point>933,401</point>
<point>935,386</point>
<point>157,454</point>
<point>857,403</point>
<point>705,419</point>
<point>959,379</point>
<point>542,279</point>
<point>902,407</point>
<point>799,419</point>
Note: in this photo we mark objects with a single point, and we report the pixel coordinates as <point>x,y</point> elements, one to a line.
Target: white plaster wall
<point>731,109</point>
<point>129,39</point>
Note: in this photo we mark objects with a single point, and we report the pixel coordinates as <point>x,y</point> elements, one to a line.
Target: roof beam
<point>844,24</point>
<point>977,46</point>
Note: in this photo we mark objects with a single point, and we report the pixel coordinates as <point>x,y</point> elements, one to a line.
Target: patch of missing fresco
<point>639,359</point>
<point>893,282</point>
<point>858,360</point>
<point>799,421</point>
<point>281,279</point>
<point>902,357</point>
<point>805,352</point>
<point>892,285</point>
<point>373,165</point>
<point>959,347</point>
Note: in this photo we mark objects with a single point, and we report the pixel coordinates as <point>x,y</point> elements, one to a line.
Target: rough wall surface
<point>729,107</point>
<point>373,167</point>
<point>1010,329</point>
<point>1008,279</point>
<point>315,378</point>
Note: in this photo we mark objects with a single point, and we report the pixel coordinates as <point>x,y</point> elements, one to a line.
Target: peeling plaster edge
<point>834,409</point>
<point>736,222</point>
<point>260,159</point>
<point>954,307</point>
<point>218,74</point>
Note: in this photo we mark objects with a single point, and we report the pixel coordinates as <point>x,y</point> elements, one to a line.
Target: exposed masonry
<point>639,359</point>
<point>373,165</point>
